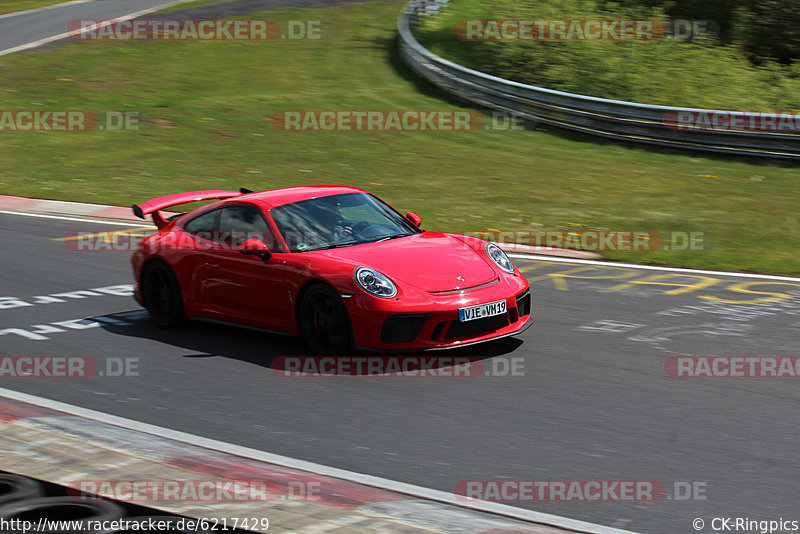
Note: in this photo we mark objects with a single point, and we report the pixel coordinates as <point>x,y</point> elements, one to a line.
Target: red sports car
<point>333,264</point>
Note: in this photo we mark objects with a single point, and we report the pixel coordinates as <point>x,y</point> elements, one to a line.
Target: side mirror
<point>414,218</point>
<point>255,247</point>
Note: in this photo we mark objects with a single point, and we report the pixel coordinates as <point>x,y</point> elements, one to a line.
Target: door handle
<point>212,265</point>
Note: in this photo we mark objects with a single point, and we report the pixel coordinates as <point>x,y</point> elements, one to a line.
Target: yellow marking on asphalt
<point>743,287</point>
<point>560,284</point>
<point>703,281</point>
<point>532,265</point>
<point>559,279</point>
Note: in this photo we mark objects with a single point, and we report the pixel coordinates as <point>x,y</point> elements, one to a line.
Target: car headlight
<point>375,283</point>
<point>499,257</point>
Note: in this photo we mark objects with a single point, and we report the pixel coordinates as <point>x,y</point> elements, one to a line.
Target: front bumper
<point>431,321</point>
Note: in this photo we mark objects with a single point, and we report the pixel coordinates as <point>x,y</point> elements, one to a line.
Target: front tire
<point>323,321</point>
<point>162,295</point>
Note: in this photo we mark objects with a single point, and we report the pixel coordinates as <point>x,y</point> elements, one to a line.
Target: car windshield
<point>339,221</point>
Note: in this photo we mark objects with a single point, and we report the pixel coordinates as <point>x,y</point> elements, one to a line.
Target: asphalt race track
<point>593,401</point>
<point>18,30</point>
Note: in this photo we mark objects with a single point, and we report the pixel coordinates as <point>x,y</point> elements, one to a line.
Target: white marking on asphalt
<point>46,8</point>
<point>652,267</point>
<point>23,333</point>
<point>46,300</point>
<point>118,290</point>
<point>608,325</point>
<point>45,40</point>
<point>285,461</point>
<point>65,218</point>
<point>45,329</point>
<point>34,44</point>
<point>77,324</point>
<point>82,294</point>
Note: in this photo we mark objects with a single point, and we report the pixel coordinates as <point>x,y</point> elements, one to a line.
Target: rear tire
<point>62,509</point>
<point>324,322</point>
<point>16,487</point>
<point>162,296</point>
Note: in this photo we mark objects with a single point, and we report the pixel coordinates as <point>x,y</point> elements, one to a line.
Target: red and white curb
<point>60,207</point>
<point>549,251</point>
<point>341,497</point>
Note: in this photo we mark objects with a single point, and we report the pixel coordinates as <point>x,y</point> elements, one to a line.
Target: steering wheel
<point>350,231</point>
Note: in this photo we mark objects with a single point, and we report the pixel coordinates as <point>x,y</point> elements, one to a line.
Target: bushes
<point>771,29</point>
<point>767,29</point>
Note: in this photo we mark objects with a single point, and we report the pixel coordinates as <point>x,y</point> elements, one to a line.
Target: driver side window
<point>204,226</point>
<point>240,223</point>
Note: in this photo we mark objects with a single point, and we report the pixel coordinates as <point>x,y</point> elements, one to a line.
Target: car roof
<point>286,195</point>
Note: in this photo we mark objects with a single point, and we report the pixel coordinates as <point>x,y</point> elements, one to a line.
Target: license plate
<point>482,310</point>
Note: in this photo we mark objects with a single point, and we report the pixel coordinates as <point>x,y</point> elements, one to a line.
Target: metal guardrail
<point>614,119</point>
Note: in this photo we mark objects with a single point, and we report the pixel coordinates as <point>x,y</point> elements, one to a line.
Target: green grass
<point>11,6</point>
<point>206,109</point>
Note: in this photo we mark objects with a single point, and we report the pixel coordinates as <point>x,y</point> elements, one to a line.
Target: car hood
<point>431,261</point>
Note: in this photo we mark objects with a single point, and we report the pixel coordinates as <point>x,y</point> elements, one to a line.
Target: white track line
<point>44,41</point>
<point>652,267</point>
<point>285,461</point>
<point>78,219</point>
<point>46,8</point>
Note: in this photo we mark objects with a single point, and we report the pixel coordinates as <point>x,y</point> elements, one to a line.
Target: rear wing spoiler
<point>155,205</point>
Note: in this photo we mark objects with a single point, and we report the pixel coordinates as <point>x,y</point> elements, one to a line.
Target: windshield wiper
<point>388,237</point>
<point>350,243</point>
<point>337,245</point>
